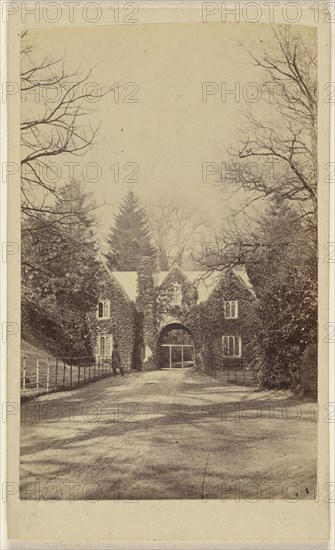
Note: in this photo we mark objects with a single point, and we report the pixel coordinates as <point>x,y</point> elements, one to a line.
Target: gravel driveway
<point>167,435</point>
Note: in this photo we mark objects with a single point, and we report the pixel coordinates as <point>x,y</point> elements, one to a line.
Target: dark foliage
<point>129,240</point>
<point>59,263</point>
<point>284,273</point>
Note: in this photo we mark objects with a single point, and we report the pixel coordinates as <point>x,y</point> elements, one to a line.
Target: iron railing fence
<point>234,368</point>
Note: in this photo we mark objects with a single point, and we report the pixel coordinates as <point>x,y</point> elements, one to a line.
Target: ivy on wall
<point>212,324</point>
<point>140,326</point>
<point>163,298</point>
<point>146,305</point>
<point>122,322</point>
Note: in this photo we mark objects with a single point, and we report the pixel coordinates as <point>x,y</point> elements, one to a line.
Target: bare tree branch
<point>55,122</point>
<point>175,228</point>
<point>285,133</point>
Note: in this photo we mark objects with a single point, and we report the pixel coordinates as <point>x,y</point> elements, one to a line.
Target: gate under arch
<point>175,347</point>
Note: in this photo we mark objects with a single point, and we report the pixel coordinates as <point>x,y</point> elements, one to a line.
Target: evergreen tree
<point>129,240</point>
<point>284,274</point>
<point>59,267</point>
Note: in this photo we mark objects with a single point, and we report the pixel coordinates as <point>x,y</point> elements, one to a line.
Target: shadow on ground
<point>167,435</point>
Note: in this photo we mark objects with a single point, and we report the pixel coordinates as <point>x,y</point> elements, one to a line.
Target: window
<point>102,346</point>
<point>176,294</point>
<point>231,309</point>
<point>103,309</point>
<point>105,345</point>
<point>108,346</point>
<point>231,346</point>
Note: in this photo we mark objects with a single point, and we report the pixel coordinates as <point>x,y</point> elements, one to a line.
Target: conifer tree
<point>129,240</point>
<point>284,274</point>
<point>58,274</point>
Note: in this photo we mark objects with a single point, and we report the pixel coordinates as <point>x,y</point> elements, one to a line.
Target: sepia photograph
<point>168,255</point>
<point>169,264</point>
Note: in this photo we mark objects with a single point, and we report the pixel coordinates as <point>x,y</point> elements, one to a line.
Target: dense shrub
<point>309,372</point>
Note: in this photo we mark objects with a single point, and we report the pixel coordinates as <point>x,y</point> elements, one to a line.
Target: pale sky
<point>170,131</point>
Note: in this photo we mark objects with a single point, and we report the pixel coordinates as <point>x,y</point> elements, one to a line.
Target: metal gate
<point>176,356</point>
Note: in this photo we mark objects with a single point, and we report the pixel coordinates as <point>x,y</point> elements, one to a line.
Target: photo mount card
<point>168,252</point>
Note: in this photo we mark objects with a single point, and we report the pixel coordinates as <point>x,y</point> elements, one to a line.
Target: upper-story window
<point>104,309</point>
<point>176,294</point>
<point>231,309</point>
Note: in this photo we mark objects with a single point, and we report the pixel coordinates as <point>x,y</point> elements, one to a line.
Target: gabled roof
<point>160,276</point>
<point>241,273</point>
<point>204,282</point>
<point>126,280</point>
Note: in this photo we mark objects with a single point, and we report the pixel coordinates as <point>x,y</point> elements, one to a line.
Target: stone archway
<point>175,347</point>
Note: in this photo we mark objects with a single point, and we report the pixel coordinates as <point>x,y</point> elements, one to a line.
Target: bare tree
<point>55,123</point>
<point>176,229</point>
<point>57,229</point>
<point>278,155</point>
<point>275,160</point>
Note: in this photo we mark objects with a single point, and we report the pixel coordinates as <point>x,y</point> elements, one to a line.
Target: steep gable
<point>206,283</point>
<point>203,282</point>
<point>242,275</point>
<point>128,280</point>
<point>166,277</point>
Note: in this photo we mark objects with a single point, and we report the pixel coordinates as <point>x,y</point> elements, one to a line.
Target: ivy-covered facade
<point>138,309</point>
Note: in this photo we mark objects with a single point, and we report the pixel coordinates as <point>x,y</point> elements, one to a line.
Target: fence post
<point>89,371</point>
<point>37,372</point>
<point>98,366</point>
<point>78,375</point>
<point>84,374</point>
<point>64,367</point>
<point>48,374</point>
<point>95,360</point>
<point>182,356</point>
<point>24,375</point>
<point>56,371</point>
<point>71,375</point>
<point>170,366</point>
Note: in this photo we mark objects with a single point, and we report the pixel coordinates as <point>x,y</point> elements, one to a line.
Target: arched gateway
<point>145,312</point>
<point>175,347</point>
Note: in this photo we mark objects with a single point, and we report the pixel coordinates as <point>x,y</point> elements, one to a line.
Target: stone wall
<point>137,329</point>
<point>212,324</point>
<point>122,321</point>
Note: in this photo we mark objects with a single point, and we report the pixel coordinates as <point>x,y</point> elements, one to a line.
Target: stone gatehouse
<point>175,318</point>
